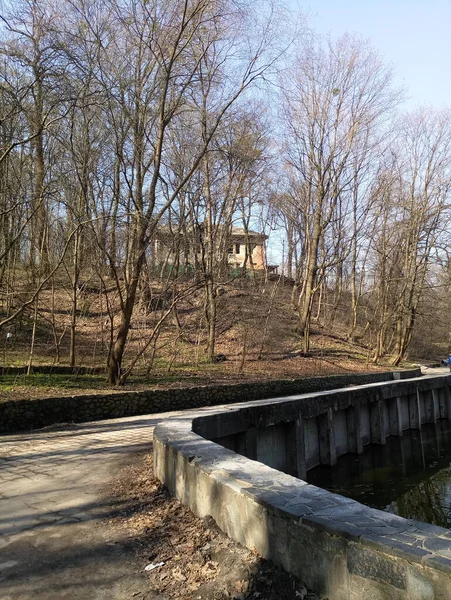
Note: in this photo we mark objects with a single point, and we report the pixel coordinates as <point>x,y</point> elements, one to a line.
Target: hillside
<point>256,339</point>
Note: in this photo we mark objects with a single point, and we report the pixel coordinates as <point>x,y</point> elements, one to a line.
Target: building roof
<point>164,230</point>
<point>241,231</point>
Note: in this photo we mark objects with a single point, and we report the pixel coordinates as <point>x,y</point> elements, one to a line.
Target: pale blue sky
<point>412,35</point>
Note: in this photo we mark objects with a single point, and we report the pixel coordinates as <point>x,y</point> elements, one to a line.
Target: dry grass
<point>256,338</point>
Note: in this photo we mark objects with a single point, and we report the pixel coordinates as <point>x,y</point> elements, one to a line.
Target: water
<point>409,476</point>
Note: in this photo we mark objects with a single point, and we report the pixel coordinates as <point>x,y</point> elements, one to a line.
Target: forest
<point>123,122</point>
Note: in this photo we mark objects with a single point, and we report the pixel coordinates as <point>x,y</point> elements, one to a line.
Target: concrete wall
<point>19,415</point>
<point>340,548</point>
<point>332,424</point>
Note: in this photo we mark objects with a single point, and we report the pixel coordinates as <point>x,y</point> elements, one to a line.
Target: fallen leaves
<point>192,559</point>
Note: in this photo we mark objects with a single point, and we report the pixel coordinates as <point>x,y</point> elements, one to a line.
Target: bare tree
<point>337,93</point>
<point>418,221</point>
<point>28,44</point>
<point>150,57</point>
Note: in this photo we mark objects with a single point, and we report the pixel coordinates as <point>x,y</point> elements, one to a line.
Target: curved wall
<point>340,548</point>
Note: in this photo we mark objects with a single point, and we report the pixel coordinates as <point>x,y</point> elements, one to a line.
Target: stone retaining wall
<point>23,415</point>
<point>52,369</point>
<point>340,548</point>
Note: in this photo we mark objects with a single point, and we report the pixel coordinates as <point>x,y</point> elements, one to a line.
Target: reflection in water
<point>409,476</point>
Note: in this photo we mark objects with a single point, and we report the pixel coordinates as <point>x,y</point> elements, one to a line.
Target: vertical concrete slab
<point>394,416</point>
<point>353,418</point>
<point>228,441</point>
<point>422,407</point>
<point>377,421</point>
<point>447,393</point>
<point>435,402</point>
<point>311,442</point>
<point>443,406</point>
<point>240,443</point>
<point>414,411</point>
<point>341,432</point>
<point>405,418</point>
<point>430,410</point>
<point>327,448</point>
<point>271,446</point>
<point>365,426</point>
<point>436,396</point>
<point>385,418</point>
<point>296,448</point>
<point>251,443</point>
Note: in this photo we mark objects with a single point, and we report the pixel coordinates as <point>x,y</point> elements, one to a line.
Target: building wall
<point>238,258</point>
<point>162,249</point>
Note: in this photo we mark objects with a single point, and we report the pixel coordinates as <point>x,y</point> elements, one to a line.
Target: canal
<point>409,476</point>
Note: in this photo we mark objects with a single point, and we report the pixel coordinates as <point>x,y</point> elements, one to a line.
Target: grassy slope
<point>256,320</point>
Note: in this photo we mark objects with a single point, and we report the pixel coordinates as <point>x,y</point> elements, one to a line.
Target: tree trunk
<point>210,313</point>
<point>75,282</point>
<point>307,294</point>
<point>117,351</point>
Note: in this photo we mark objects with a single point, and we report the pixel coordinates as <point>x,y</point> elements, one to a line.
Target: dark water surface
<point>409,476</point>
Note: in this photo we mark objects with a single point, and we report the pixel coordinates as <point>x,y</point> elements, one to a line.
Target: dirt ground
<point>188,558</point>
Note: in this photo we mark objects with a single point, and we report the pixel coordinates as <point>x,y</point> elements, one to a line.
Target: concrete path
<point>54,542</point>
<point>435,371</point>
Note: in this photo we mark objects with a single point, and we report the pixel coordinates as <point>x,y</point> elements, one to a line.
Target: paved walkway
<point>54,542</point>
<point>434,371</point>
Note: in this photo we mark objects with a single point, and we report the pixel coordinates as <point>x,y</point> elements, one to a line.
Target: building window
<point>230,250</point>
<point>237,248</point>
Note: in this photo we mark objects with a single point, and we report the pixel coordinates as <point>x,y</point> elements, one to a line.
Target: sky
<point>414,36</point>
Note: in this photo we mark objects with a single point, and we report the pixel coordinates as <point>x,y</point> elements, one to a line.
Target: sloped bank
<point>22,415</point>
<point>340,548</point>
